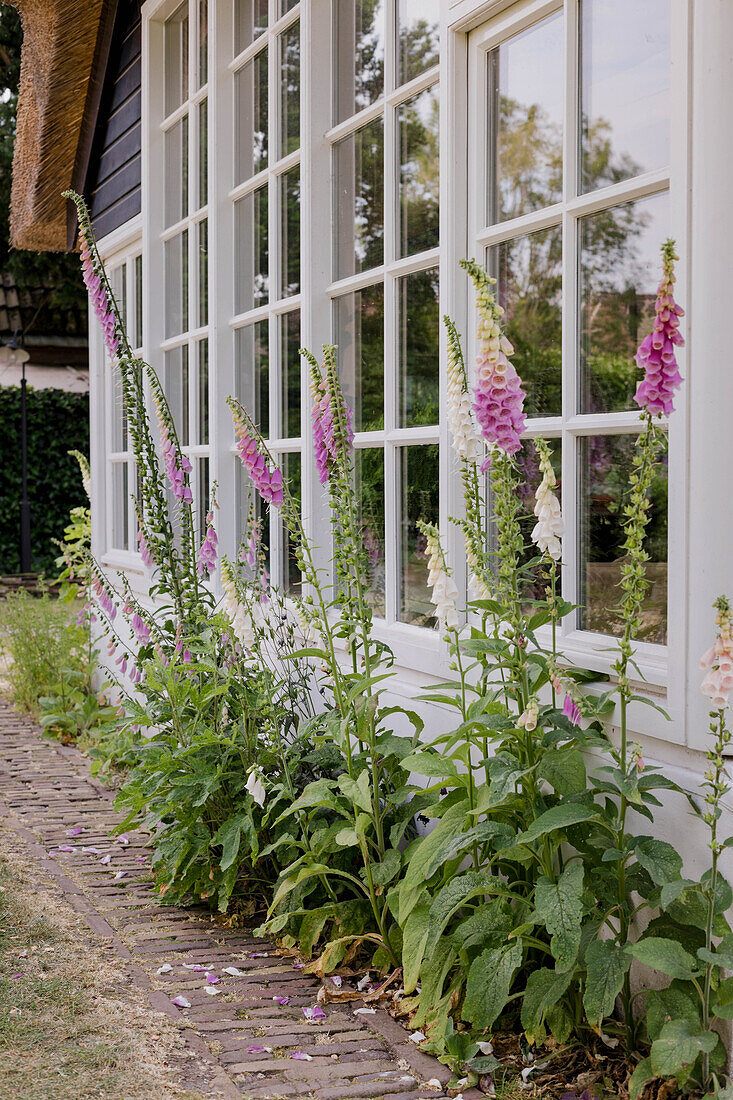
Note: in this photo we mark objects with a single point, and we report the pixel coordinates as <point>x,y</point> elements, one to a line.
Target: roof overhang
<point>65,50</point>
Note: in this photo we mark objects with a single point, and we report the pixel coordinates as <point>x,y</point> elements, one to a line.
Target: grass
<point>71,1025</point>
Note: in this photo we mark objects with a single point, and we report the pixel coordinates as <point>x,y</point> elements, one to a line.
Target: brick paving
<point>46,794</point>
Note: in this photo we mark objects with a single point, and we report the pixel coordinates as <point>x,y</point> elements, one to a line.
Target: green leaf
<point>383,873</point>
<point>229,836</point>
<point>413,945</point>
<point>430,764</point>
<point>489,981</point>
<point>679,1001</point>
<point>660,859</point>
<point>490,922</point>
<point>641,1076</point>
<point>505,773</point>
<point>544,989</point>
<point>557,817</point>
<point>358,791</point>
<point>564,770</point>
<point>425,855</point>
<point>319,793</point>
<point>311,926</point>
<point>457,892</point>
<point>664,955</point>
<point>723,1000</point>
<point>560,908</point>
<point>346,838</point>
<point>678,1047</point>
<point>606,964</point>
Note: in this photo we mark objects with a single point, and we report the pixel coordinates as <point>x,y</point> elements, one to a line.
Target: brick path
<point>46,791</point>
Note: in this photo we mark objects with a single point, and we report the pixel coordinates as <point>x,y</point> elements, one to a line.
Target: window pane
<point>419,26</point>
<point>138,301</point>
<point>203,352</point>
<point>359,49</point>
<point>529,274</point>
<point>418,349</point>
<point>619,272</point>
<point>176,172</point>
<point>625,113</point>
<point>605,470</point>
<point>253,371</point>
<point>419,176</point>
<point>290,214</point>
<point>525,111</point>
<point>177,390</point>
<point>369,471</point>
<point>120,506</point>
<point>202,235</point>
<point>250,20</point>
<point>359,324</point>
<point>290,89</point>
<point>176,284</point>
<point>419,491</point>
<point>119,417</point>
<point>290,360</point>
<point>292,580</point>
<point>203,42</point>
<point>286,6</point>
<point>204,152</point>
<point>176,59</point>
<point>251,99</point>
<point>252,250</point>
<point>204,495</point>
<point>359,181</point>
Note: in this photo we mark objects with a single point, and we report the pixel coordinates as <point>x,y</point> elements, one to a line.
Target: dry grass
<point>71,1025</point>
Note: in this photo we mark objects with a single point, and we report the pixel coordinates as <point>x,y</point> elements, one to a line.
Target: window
<point>185,237</point>
<point>125,276</point>
<point>569,198</point>
<point>266,203</point>
<point>384,289</point>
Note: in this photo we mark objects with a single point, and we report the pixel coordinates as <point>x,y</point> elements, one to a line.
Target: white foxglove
<point>549,528</point>
<point>467,439</point>
<point>256,788</point>
<point>444,588</point>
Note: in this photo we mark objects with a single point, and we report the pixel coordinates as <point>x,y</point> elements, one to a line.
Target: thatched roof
<point>65,48</point>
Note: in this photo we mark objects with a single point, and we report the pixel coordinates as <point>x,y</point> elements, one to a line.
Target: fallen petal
<point>315,1013</point>
<point>123,840</point>
<point>106,859</point>
<point>259,954</point>
<point>181,1001</point>
<point>120,874</point>
<point>76,831</point>
<point>301,1056</point>
<point>259,1050</point>
<point>164,969</point>
<point>416,1037</point>
<point>233,971</point>
<point>65,848</point>
<point>337,981</point>
<point>93,851</point>
<point>212,979</point>
<point>211,990</point>
<point>282,1000</point>
<point>368,1012</point>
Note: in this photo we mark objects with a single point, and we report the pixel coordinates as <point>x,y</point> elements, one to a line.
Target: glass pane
<point>204,152</point>
<point>253,368</point>
<point>176,172</point>
<point>203,41</point>
<point>138,301</point>
<point>290,214</point>
<point>619,272</point>
<point>529,274</point>
<point>176,284</point>
<point>119,417</point>
<point>605,470</point>
<point>251,100</point>
<point>359,47</point>
<point>292,580</point>
<point>419,490</point>
<point>625,112</point>
<point>419,176</point>
<point>202,235</point>
<point>176,59</point>
<point>177,390</point>
<point>418,348</point>
<point>419,32</point>
<point>369,470</point>
<point>250,20</point>
<point>252,250</point>
<point>120,506</point>
<point>290,360</point>
<point>359,324</point>
<point>525,112</point>
<point>286,6</point>
<point>204,495</point>
<point>359,182</point>
<point>118,285</point>
<point>290,89</point>
<point>203,351</point>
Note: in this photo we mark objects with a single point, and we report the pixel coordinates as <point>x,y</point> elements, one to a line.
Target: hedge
<point>57,422</point>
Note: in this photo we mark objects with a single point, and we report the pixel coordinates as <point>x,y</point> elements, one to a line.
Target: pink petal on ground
<point>195,966</point>
<point>282,1000</point>
<point>139,859</point>
<point>301,1056</point>
<point>106,859</point>
<point>337,981</point>
<point>94,851</point>
<point>315,1013</point>
<point>76,831</point>
<point>259,1050</point>
<point>181,1001</point>
<point>123,840</point>
<point>298,965</point>
<point>259,955</point>
<point>65,848</point>
<point>212,979</point>
<point>120,874</point>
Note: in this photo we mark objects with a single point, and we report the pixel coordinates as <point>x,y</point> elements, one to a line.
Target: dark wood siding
<point>113,179</point>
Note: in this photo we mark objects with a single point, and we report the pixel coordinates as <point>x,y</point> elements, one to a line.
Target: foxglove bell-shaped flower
<point>498,394</point>
<point>98,295</point>
<point>461,418</point>
<point>549,528</point>
<point>144,550</point>
<point>177,466</point>
<point>326,428</point>
<point>444,592</point>
<point>718,660</point>
<point>656,355</point>
<point>268,482</point>
<point>207,554</point>
<point>256,788</point>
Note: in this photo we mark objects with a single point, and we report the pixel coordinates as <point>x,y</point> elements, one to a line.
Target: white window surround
<point>696,549</point>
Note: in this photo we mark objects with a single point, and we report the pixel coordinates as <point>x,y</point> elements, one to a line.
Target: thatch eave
<point>65,50</point>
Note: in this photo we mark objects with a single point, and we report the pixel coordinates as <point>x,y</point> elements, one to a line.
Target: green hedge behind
<point>57,422</point>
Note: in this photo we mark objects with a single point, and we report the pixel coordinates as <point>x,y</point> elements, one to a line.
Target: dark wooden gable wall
<point>113,179</point>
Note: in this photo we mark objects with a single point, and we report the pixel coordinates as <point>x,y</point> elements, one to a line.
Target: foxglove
<point>656,355</point>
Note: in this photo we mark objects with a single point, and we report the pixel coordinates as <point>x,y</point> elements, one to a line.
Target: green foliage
<point>56,421</point>
<point>39,639</point>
